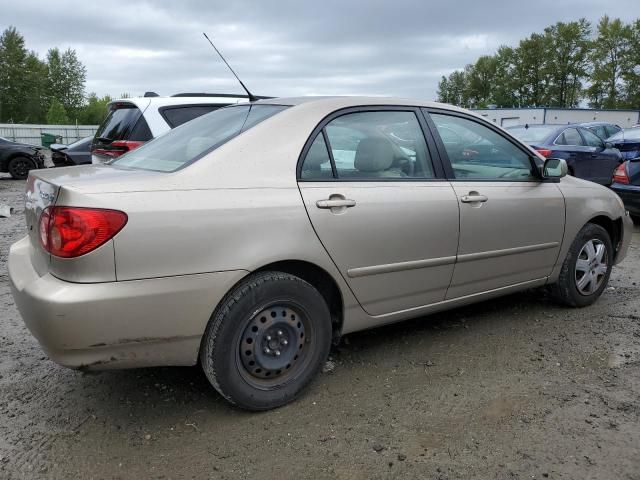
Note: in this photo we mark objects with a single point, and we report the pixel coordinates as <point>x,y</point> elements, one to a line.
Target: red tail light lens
<point>620,174</point>
<point>73,231</point>
<point>118,147</point>
<point>545,152</point>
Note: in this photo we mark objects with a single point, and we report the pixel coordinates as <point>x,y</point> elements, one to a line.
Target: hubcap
<point>21,168</point>
<point>273,342</point>
<point>591,267</point>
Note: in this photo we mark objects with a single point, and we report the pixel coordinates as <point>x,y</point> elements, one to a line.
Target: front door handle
<point>336,203</point>
<point>474,198</point>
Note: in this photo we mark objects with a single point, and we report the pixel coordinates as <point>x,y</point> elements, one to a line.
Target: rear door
<point>511,222</point>
<point>375,194</point>
<point>603,161</point>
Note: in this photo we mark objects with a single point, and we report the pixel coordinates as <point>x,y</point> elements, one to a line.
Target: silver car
<point>253,237</point>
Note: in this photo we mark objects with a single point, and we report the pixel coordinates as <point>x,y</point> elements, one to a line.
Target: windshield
<point>192,140</point>
<point>628,134</point>
<point>531,134</point>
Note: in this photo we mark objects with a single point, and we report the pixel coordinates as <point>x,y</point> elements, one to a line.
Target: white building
<point>507,117</point>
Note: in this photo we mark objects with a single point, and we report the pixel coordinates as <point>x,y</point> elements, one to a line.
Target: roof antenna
<point>252,98</point>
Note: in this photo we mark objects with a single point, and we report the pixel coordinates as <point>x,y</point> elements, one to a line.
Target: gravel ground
<point>507,389</point>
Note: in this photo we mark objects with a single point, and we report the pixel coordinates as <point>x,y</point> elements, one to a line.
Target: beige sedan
<point>253,237</point>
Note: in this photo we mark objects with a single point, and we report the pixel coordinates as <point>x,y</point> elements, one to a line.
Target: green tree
<point>57,115</point>
<point>66,80</point>
<point>567,60</point>
<point>35,104</point>
<point>13,60</point>
<point>631,74</point>
<point>94,111</point>
<point>481,81</point>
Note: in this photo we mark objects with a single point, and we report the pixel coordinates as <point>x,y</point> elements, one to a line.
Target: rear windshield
<point>628,134</point>
<point>531,134</point>
<point>191,141</point>
<point>124,122</point>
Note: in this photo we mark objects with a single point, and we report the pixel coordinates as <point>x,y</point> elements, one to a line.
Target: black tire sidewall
<point>19,159</point>
<point>221,341</point>
<point>588,232</point>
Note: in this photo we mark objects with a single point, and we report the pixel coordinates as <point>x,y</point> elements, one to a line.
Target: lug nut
<point>277,353</point>
<point>279,333</point>
<point>268,338</point>
<point>266,350</point>
<point>284,342</point>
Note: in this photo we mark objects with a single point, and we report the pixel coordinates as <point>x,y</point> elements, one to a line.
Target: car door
<point>603,160</point>
<point>511,222</point>
<point>375,194</point>
<point>578,155</point>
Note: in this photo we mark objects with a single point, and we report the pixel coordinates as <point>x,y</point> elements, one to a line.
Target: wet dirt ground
<point>515,388</point>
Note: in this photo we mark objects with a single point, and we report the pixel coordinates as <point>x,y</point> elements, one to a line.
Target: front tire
<point>19,167</point>
<point>266,341</point>
<point>586,269</point>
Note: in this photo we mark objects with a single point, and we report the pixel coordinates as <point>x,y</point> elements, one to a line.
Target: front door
<point>376,201</point>
<point>603,160</point>
<point>511,222</point>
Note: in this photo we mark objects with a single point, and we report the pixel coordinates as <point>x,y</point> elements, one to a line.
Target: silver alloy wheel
<point>591,267</point>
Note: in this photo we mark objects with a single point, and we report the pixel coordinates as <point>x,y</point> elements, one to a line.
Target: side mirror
<point>608,145</point>
<point>554,168</point>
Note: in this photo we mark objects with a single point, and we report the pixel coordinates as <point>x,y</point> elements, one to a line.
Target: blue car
<point>626,179</point>
<point>587,155</point>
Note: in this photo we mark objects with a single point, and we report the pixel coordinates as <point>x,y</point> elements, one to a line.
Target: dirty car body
<point>254,236</point>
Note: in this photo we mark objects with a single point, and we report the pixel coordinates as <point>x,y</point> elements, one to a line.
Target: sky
<point>286,48</point>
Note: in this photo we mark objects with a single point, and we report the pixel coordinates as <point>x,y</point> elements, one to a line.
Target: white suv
<point>134,121</point>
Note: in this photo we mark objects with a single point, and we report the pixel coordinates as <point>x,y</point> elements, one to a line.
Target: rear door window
<point>124,122</point>
<point>570,136</point>
<point>176,116</point>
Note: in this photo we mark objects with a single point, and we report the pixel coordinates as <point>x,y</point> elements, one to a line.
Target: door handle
<point>573,154</point>
<point>336,203</point>
<point>475,198</point>
<point>594,155</point>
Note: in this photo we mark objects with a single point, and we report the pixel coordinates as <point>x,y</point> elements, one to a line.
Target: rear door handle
<point>336,203</point>
<point>474,198</point>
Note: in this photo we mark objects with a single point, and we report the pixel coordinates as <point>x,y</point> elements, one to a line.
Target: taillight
<point>620,174</point>
<point>73,231</point>
<point>545,152</point>
<point>118,147</point>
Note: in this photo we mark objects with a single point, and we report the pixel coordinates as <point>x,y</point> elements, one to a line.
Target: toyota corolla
<point>251,238</point>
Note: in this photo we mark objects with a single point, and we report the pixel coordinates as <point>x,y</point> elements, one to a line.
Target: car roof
<point>594,124</point>
<point>337,102</point>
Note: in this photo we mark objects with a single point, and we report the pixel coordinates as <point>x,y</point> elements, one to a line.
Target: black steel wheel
<point>19,167</point>
<point>266,341</point>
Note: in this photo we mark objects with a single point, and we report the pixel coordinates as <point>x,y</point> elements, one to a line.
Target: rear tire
<point>266,341</point>
<point>19,167</point>
<point>586,269</point>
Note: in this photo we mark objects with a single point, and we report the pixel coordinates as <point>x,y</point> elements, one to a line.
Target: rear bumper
<point>127,324</point>
<point>630,195</point>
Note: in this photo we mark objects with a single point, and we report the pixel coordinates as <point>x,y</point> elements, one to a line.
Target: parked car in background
<point>77,153</point>
<point>240,243</point>
<point>587,155</point>
<point>133,121</point>
<point>628,142</point>
<point>626,183</point>
<point>18,158</point>
<point>603,129</point>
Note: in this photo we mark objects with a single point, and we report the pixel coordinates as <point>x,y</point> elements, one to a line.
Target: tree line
<point>564,66</point>
<point>49,90</point>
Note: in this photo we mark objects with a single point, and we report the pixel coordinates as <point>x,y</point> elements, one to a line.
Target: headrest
<point>374,154</point>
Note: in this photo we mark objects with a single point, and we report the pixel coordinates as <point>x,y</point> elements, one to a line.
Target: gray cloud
<point>286,47</point>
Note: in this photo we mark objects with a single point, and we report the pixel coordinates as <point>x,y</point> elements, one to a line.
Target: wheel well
<point>613,228</point>
<point>322,281</point>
